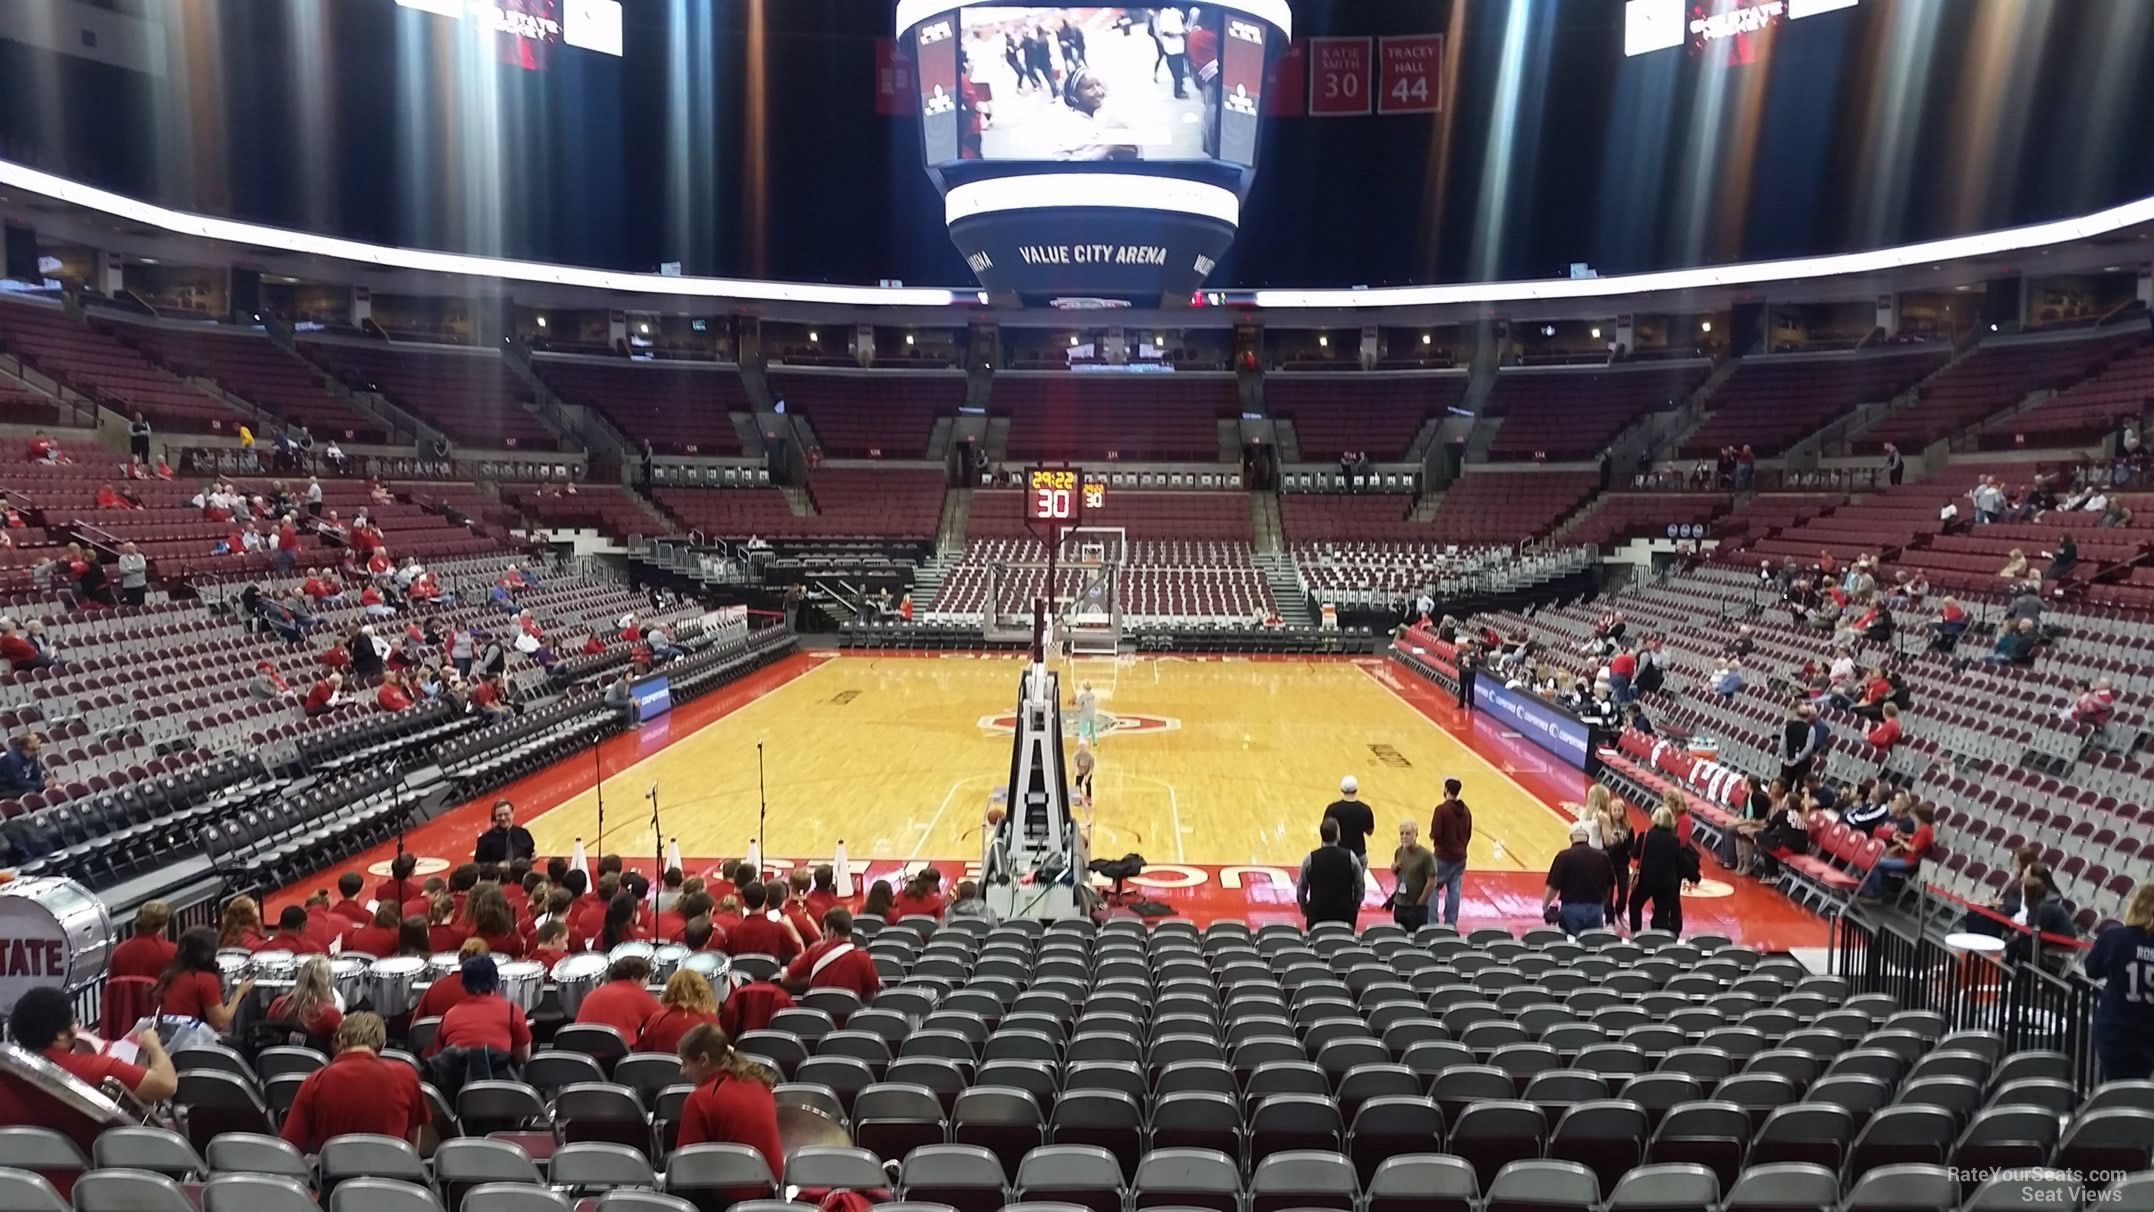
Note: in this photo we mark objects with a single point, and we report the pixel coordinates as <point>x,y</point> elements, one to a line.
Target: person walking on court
<point>1660,874</point>
<point>1413,870</point>
<point>1356,822</point>
<point>1087,715</point>
<point>1081,763</point>
<point>1329,887</point>
<point>1578,884</point>
<point>1449,832</point>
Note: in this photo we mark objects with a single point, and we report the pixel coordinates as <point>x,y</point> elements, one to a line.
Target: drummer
<point>448,992</point>
<point>357,1092</point>
<point>348,905</point>
<point>43,1021</point>
<point>241,925</point>
<point>291,934</point>
<point>732,1101</point>
<point>484,1019</point>
<point>623,1002</point>
<point>311,1003</point>
<point>146,953</point>
<point>687,1001</point>
<point>493,921</point>
<point>836,962</point>
<point>379,938</point>
<point>191,986</point>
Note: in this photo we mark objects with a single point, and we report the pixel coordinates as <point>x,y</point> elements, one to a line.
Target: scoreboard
<point>1060,494</point>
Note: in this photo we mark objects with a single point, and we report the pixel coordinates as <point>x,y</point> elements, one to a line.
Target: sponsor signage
<point>1091,251</point>
<point>652,697</point>
<point>1554,730</point>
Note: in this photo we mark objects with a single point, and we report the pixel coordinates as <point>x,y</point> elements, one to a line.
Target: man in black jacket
<point>1330,885</point>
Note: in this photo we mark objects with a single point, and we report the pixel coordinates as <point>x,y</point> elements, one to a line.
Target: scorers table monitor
<point>1061,494</point>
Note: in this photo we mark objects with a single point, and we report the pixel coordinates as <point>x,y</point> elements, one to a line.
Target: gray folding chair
<point>513,1197</point>
<point>155,1149</point>
<point>22,1191</point>
<point>382,1195</point>
<point>1302,1178</point>
<point>251,1153</point>
<point>834,1166</point>
<point>248,1193</point>
<point>125,1190</point>
<point>1909,1187</point>
<point>1677,1187</point>
<point>600,1166</point>
<point>718,1167</point>
<point>1555,1184</point>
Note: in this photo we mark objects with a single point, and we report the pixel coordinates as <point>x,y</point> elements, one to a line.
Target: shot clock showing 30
<point>1059,494</point>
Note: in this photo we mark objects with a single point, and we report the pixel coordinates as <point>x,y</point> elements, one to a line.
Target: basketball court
<point>1216,770</point>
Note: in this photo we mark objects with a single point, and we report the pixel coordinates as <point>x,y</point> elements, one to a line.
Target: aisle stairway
<point>1286,591</point>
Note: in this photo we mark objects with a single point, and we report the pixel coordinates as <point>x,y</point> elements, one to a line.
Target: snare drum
<point>59,919</point>
<point>392,984</point>
<point>665,960</point>
<point>575,976</point>
<point>232,967</point>
<point>641,951</point>
<point>443,964</point>
<point>716,968</point>
<point>276,967</point>
<point>522,981</point>
<point>348,973</point>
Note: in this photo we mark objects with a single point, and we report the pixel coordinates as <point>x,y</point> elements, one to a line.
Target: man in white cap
<point>1356,822</point>
<point>1578,884</point>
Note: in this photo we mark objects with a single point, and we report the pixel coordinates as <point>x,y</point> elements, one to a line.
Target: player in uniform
<point>1087,716</point>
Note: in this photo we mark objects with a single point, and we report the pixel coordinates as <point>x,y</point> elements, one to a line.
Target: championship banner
<point>1286,84</point>
<point>896,93</point>
<point>1409,77</point>
<point>1339,77</point>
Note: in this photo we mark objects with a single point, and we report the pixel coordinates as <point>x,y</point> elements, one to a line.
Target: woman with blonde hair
<point>1608,819</point>
<point>1660,873</point>
<point>686,1002</point>
<point>311,1004</point>
<point>2123,960</point>
<point>732,1101</point>
<point>241,925</point>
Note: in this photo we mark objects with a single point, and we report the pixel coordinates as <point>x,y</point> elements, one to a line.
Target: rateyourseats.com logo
<point>2033,1187</point>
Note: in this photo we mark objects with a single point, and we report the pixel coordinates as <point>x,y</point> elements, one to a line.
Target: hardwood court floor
<point>1209,762</point>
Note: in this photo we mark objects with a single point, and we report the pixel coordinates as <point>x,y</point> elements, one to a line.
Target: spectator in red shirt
<point>732,1101</point>
<point>392,696</point>
<point>592,645</point>
<point>311,1005</point>
<point>348,906</point>
<point>43,1022</point>
<point>2095,704</point>
<point>321,590</point>
<point>378,937</point>
<point>622,1003</point>
<point>147,952</point>
<point>835,963</point>
<point>109,498</point>
<point>1903,855</point>
<point>921,896</point>
<point>190,986</point>
<point>357,1092</point>
<point>1622,668</point>
<point>757,934</point>
<point>686,1003</point>
<point>1887,732</point>
<point>322,696</point>
<point>17,650</point>
<point>823,896</point>
<point>43,449</point>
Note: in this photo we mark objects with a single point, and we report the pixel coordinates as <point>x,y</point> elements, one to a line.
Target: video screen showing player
<point>1051,82</point>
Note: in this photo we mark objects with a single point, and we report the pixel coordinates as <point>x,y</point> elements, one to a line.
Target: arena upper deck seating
<point>849,502</point>
<point>1564,416</point>
<point>1509,507</point>
<point>19,405</point>
<point>249,365</point>
<point>1130,417</point>
<point>2087,412</point>
<point>862,415</point>
<point>1625,515</point>
<point>680,408</point>
<point>70,352</point>
<point>469,393</point>
<point>1770,402</point>
<point>610,509</point>
<point>1379,414</point>
<point>1996,376</point>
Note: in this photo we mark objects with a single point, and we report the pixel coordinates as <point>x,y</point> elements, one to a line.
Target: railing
<point>2029,1002</point>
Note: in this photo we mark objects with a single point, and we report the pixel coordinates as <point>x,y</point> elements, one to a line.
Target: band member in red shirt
<point>485,1019</point>
<point>823,896</point>
<point>147,952</point>
<point>311,1004</point>
<point>757,934</point>
<point>448,993</point>
<point>357,1092</point>
<point>348,905</point>
<point>241,925</point>
<point>378,937</point>
<point>622,1003</point>
<point>43,1022</point>
<point>796,911</point>
<point>687,1002</point>
<point>190,986</point>
<point>920,897</point>
<point>732,1101</point>
<point>836,962</point>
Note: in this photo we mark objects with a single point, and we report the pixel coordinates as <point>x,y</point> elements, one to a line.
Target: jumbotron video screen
<point>1108,84</point>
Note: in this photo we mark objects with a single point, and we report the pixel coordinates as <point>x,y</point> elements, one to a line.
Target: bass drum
<point>575,976</point>
<point>58,932</point>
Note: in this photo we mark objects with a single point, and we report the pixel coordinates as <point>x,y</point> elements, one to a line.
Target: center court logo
<point>1109,722</point>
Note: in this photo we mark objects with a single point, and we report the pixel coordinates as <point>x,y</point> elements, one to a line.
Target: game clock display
<point>1060,494</point>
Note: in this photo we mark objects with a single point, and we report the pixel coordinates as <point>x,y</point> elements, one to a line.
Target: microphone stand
<point>658,836</point>
<point>599,775</point>
<point>762,807</point>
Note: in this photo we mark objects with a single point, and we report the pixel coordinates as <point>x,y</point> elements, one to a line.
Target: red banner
<point>896,95</point>
<point>1286,85</point>
<point>1339,77</point>
<point>1409,75</point>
